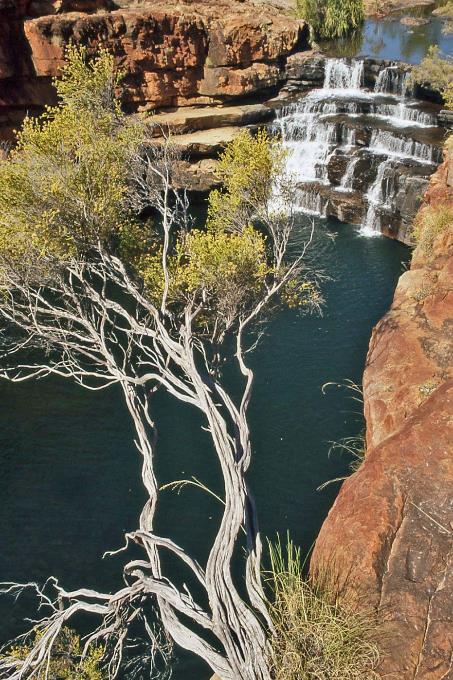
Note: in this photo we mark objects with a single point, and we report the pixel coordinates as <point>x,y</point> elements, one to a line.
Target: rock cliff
<point>173,53</point>
<point>389,536</point>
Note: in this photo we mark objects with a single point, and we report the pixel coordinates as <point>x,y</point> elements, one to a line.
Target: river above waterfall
<point>70,483</point>
<point>388,38</point>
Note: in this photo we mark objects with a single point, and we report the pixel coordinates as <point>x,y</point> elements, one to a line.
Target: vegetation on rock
<point>317,636</point>
<point>437,72</point>
<point>431,221</point>
<point>446,13</point>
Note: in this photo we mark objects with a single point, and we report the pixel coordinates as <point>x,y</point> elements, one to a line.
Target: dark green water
<point>69,484</point>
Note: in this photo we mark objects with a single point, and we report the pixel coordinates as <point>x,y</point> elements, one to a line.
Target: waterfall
<point>347,181</point>
<point>339,116</point>
<point>310,202</point>
<point>402,114</point>
<point>341,75</point>
<point>393,80</point>
<point>383,142</point>
<point>377,198</point>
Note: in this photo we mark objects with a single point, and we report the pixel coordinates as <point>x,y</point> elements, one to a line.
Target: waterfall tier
<point>362,154</point>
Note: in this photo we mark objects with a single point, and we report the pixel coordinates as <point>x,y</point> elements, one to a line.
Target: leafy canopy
<point>64,187</point>
<point>248,169</point>
<point>67,191</point>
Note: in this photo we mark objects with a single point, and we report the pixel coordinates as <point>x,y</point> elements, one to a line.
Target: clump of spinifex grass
<point>316,636</point>
<point>430,222</point>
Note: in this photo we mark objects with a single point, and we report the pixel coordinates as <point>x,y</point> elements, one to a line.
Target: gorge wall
<point>172,53</point>
<point>389,537</point>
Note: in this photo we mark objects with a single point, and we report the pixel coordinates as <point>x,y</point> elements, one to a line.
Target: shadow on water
<point>70,487</point>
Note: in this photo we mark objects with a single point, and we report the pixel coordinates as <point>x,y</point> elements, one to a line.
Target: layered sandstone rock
<point>389,536</point>
<point>172,54</point>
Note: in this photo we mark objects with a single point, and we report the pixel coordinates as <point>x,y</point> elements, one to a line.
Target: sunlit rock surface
<point>389,536</point>
<point>172,53</point>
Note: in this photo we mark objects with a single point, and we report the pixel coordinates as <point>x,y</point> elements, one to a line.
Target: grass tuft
<point>316,636</point>
<point>430,222</point>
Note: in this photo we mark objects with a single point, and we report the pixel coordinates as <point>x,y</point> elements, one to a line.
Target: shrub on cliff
<point>431,221</point>
<point>331,18</point>
<point>437,72</point>
<point>316,636</point>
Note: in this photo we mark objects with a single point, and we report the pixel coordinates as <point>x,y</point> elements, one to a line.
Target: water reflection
<point>390,39</point>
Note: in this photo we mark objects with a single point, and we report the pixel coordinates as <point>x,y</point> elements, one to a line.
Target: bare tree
<point>94,315</point>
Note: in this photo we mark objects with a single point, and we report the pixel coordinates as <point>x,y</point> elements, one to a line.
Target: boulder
<point>238,82</point>
<point>390,535</point>
<point>243,40</point>
<point>199,177</point>
<point>306,67</point>
<point>336,168</point>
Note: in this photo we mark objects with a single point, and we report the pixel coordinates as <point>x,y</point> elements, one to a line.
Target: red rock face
<point>171,54</point>
<point>389,536</point>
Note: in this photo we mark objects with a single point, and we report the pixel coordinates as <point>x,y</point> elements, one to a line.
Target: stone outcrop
<point>388,539</point>
<point>172,54</point>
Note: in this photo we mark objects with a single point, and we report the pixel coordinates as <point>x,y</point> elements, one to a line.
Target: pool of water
<point>388,38</point>
<point>69,483</point>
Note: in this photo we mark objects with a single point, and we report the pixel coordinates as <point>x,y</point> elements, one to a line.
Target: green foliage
<point>64,187</point>
<point>438,72</point>
<point>331,18</point>
<point>247,168</point>
<point>65,191</point>
<point>431,221</point>
<point>225,270</point>
<point>227,265</point>
<point>66,662</point>
<point>317,637</point>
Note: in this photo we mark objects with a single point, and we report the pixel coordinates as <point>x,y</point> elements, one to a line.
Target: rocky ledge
<point>172,53</point>
<point>388,540</point>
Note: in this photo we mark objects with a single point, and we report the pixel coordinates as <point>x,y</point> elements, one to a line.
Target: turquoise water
<point>70,488</point>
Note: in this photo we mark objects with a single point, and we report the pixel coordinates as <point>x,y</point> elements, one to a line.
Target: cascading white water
<point>328,119</point>
<point>347,181</point>
<point>310,202</point>
<point>401,114</point>
<point>393,80</point>
<point>311,138</point>
<point>377,198</point>
<point>341,75</point>
<point>384,142</point>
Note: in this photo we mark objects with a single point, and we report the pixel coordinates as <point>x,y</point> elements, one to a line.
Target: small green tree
<point>437,72</point>
<point>104,296</point>
<point>331,18</point>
